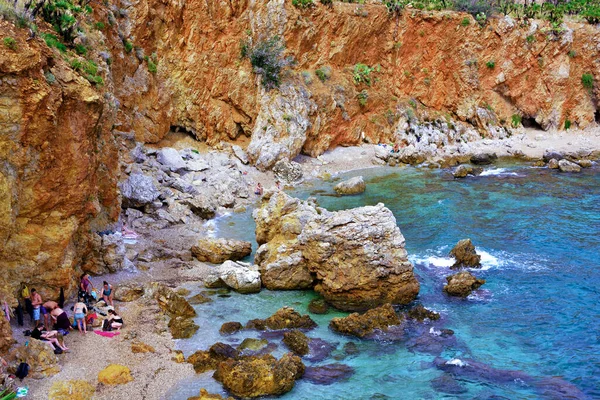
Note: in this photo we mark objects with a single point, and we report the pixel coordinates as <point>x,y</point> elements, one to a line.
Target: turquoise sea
<point>531,332</point>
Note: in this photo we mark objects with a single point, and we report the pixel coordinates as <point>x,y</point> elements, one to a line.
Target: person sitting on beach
<point>61,320</point>
<point>396,148</point>
<point>259,189</point>
<point>107,293</point>
<point>36,302</point>
<point>116,322</point>
<point>80,311</point>
<point>48,336</point>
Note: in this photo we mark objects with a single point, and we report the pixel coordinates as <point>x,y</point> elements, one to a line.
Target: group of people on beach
<point>52,323</point>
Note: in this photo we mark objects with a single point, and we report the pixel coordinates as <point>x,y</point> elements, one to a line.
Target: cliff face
<point>58,166</point>
<point>432,66</point>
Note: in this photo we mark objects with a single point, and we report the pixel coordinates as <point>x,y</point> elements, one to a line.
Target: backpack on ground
<point>22,370</point>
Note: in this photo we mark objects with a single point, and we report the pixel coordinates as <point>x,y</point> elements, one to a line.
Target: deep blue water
<point>538,232</point>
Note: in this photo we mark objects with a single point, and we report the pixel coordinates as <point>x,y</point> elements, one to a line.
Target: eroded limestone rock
<point>462,284</point>
<point>354,185</point>
<point>115,374</point>
<point>465,255</point>
<point>220,250</point>
<point>362,325</point>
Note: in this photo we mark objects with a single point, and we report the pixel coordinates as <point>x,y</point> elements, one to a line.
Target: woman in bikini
<point>107,294</point>
<point>116,322</point>
<point>80,311</point>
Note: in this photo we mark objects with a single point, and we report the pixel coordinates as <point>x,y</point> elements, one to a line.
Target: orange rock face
<point>59,167</point>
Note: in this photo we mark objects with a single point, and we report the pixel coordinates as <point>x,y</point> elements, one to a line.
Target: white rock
<point>170,158</point>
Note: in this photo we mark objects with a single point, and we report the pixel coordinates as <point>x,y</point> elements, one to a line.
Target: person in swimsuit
<point>62,323</point>
<point>36,302</point>
<point>48,336</point>
<point>80,311</point>
<point>115,319</point>
<point>107,294</point>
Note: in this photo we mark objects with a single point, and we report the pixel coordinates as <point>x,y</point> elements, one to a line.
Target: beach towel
<point>107,334</point>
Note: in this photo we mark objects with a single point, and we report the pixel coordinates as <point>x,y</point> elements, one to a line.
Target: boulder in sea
<point>362,325</point>
<point>446,383</point>
<point>585,163</point>
<point>288,318</point>
<point>568,166</point>
<point>252,344</point>
<point>462,171</point>
<point>260,376</point>
<point>205,360</point>
<point>357,257</point>
<point>297,342</point>
<point>420,313</point>
<point>204,395</point>
<point>129,292</point>
<point>462,284</point>
<point>229,328</point>
<point>483,158</point>
<point>115,374</point>
<point>354,185</point>
<point>171,302</point>
<point>241,277</point>
<point>138,190</point>
<point>182,328</point>
<point>318,306</point>
<point>328,374</point>
<point>220,250</point>
<point>74,389</point>
<point>553,163</point>
<point>199,299</point>
<point>465,255</point>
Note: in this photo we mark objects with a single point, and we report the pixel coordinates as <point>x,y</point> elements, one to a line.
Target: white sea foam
<point>434,261</point>
<point>457,362</point>
<point>434,332</point>
<point>498,172</point>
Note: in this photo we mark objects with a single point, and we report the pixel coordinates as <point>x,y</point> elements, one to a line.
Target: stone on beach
<point>170,158</point>
<point>182,328</point>
<point>129,292</point>
<point>354,185</point>
<point>220,250</point>
<point>568,166</point>
<point>74,389</point>
<point>241,277</point>
<point>140,347</point>
<point>40,357</point>
<point>115,374</point>
<point>462,284</point>
<point>138,190</point>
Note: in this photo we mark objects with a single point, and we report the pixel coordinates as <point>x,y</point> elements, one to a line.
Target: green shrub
<point>491,64</point>
<point>323,73</point>
<point>81,49</point>
<point>530,39</point>
<point>99,25</point>
<point>267,60</point>
<point>362,98</point>
<point>307,77</point>
<point>303,3</point>
<point>10,43</point>
<point>516,120</point>
<point>465,22</point>
<point>567,124</point>
<point>587,80</point>
<point>128,46</point>
<point>572,53</point>
<point>362,73</point>
<point>53,42</point>
<point>152,67</point>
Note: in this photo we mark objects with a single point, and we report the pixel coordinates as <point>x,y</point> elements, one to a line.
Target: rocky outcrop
<point>199,299</point>
<point>239,276</point>
<point>220,250</point>
<point>363,325</point>
<point>354,185</point>
<point>465,255</point>
<point>138,190</point>
<point>6,339</point>
<point>297,342</point>
<point>40,356</point>
<point>129,292</point>
<point>462,284</point>
<point>115,374</point>
<point>420,313</point>
<point>568,166</point>
<point>356,257</point>
<point>205,360</point>
<point>260,376</point>
<point>182,328</point>
<point>284,318</point>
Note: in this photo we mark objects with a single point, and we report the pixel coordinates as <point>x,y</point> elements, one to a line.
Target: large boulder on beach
<point>462,284</point>
<point>362,325</point>
<point>138,190</point>
<point>40,356</point>
<point>568,166</point>
<point>129,292</point>
<point>169,301</point>
<point>354,185</point>
<point>218,250</point>
<point>288,171</point>
<point>115,374</point>
<point>260,376</point>
<point>74,389</point>
<point>356,257</point>
<point>465,255</point>
<point>170,158</point>
<point>550,154</point>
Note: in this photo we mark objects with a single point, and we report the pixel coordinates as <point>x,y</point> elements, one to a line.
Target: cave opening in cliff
<point>597,116</point>
<point>530,122</point>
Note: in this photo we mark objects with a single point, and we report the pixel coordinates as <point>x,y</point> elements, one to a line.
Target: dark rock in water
<point>284,318</point>
<point>229,328</point>
<point>272,334</point>
<point>361,325</point>
<point>483,158</point>
<point>204,360</point>
<point>328,374</point>
<point>432,342</point>
<point>351,349</point>
<point>318,306</point>
<point>225,296</point>
<point>465,255</point>
<point>296,341</point>
<point>462,171</point>
<point>558,388</point>
<point>319,350</point>
<point>446,332</point>
<point>447,384</point>
<point>553,154</point>
<point>259,376</point>
<point>462,284</point>
<point>475,370</point>
<point>379,396</point>
<point>420,313</point>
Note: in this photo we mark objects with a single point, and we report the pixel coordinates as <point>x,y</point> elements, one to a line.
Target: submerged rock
<point>204,395</point>
<point>362,325</point>
<point>420,313</point>
<point>465,255</point>
<point>199,299</point>
<point>288,318</point>
<point>253,344</point>
<point>229,328</point>
<point>462,284</point>
<point>354,185</point>
<point>297,342</point>
<point>260,376</point>
<point>328,374</point>
<point>356,256</point>
<point>318,306</point>
<point>462,171</point>
<point>205,360</point>
<point>446,383</point>
<point>219,250</point>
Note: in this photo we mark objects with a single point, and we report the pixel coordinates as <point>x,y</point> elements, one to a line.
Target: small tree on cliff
<point>268,61</point>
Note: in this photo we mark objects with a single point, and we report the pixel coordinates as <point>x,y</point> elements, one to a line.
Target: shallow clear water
<point>538,231</point>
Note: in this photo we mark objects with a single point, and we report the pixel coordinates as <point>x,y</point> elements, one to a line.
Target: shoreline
<point>144,321</point>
